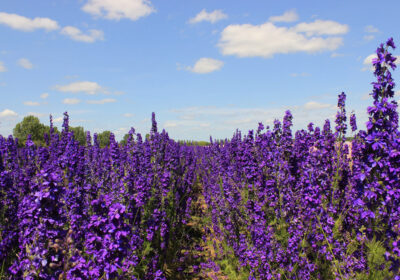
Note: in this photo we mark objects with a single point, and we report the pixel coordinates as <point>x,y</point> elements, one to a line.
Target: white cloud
<point>7,113</point>
<point>303,74</point>
<point>169,124</point>
<point>102,101</point>
<point>118,9</point>
<point>2,67</point>
<point>36,114</point>
<point>288,16</point>
<point>369,37</point>
<point>119,92</point>
<point>265,40</point>
<point>368,62</point>
<point>193,124</point>
<point>368,59</point>
<point>336,54</point>
<point>313,105</point>
<point>31,103</point>
<point>71,101</point>
<point>44,95</point>
<point>321,27</point>
<point>212,17</point>
<point>84,86</point>
<point>59,119</point>
<point>206,65</point>
<point>222,121</point>
<point>128,115</point>
<point>77,35</point>
<point>25,63</point>
<point>371,29</point>
<point>26,24</point>
<point>120,132</point>
<point>70,77</point>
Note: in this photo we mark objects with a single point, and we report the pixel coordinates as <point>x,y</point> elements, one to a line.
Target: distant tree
<point>193,143</point>
<point>124,140</point>
<point>79,134</point>
<point>31,125</point>
<point>104,138</point>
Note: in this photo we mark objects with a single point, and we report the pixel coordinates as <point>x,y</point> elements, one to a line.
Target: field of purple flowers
<point>272,204</point>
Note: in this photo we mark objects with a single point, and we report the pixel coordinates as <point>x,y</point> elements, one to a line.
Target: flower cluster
<point>312,206</point>
<point>69,211</point>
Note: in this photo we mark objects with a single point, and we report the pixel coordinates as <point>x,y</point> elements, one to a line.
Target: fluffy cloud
<point>336,54</point>
<point>36,114</point>
<point>302,74</point>
<point>118,9</point>
<point>221,121</point>
<point>371,29</point>
<point>369,37</point>
<point>368,62</point>
<point>288,16</point>
<point>253,113</point>
<point>265,40</point>
<point>59,119</point>
<point>71,101</point>
<point>25,63</point>
<point>31,103</point>
<point>102,101</point>
<point>169,124</point>
<point>77,35</point>
<point>44,95</point>
<point>188,124</point>
<point>368,59</point>
<point>26,24</point>
<point>85,86</point>
<point>321,27</point>
<point>128,115</point>
<point>2,67</point>
<point>7,113</point>
<point>212,17</point>
<point>313,105</point>
<point>205,65</point>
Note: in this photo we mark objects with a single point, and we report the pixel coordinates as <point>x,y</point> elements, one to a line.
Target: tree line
<point>31,125</point>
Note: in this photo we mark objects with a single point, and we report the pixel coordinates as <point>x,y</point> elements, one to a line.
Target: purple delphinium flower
<point>353,122</point>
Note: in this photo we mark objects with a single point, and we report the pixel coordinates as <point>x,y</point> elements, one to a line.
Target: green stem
<point>330,249</point>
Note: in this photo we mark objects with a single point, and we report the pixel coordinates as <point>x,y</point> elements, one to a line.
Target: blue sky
<point>204,67</point>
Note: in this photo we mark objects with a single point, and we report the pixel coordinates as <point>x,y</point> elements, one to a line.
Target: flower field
<point>271,204</point>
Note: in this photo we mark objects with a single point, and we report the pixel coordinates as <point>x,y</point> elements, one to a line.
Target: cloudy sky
<point>205,67</point>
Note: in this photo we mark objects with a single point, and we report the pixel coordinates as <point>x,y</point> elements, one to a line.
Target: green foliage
<point>378,266</point>
<point>337,228</point>
<point>281,231</point>
<point>124,140</point>
<point>230,263</point>
<point>104,138</point>
<point>79,134</point>
<point>194,143</point>
<point>31,125</point>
